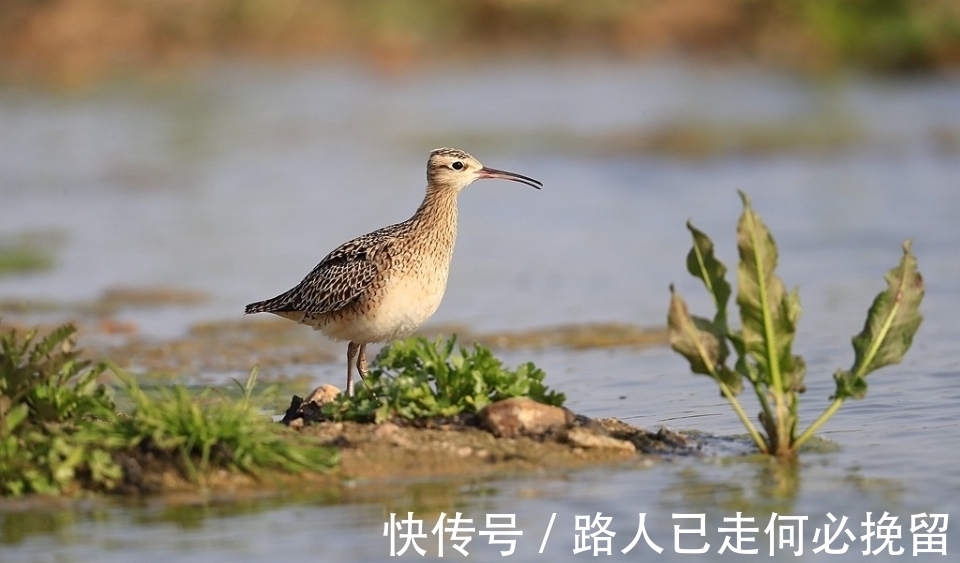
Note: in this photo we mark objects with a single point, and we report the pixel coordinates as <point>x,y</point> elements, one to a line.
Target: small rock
<point>296,424</point>
<point>385,429</point>
<point>522,416</point>
<point>323,395</point>
<point>464,451</point>
<point>584,438</point>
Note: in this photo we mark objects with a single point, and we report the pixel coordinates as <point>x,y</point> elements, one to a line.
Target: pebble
<point>521,416</point>
<point>323,395</point>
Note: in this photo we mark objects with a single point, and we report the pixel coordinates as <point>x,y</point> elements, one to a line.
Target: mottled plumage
<point>383,285</point>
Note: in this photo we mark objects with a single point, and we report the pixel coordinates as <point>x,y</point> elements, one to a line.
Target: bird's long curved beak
<point>500,174</point>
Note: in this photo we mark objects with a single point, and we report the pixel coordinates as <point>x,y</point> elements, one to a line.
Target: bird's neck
<point>437,215</point>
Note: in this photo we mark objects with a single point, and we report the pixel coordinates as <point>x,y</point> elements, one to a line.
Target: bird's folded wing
<point>340,278</point>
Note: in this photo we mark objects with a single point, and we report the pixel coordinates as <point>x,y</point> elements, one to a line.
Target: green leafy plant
<point>47,396</point>
<point>768,318</point>
<point>417,378</point>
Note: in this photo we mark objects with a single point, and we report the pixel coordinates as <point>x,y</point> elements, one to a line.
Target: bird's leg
<point>352,350</point>
<point>362,364</point>
<point>362,361</point>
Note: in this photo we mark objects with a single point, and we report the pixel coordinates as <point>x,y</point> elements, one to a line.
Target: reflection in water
<point>16,525</point>
<point>759,485</point>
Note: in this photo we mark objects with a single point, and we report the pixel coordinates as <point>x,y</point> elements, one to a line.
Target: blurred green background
<point>75,42</point>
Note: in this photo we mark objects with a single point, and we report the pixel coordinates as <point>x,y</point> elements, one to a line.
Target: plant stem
<point>731,397</point>
<point>808,433</point>
<point>773,361</point>
<point>764,404</point>
<point>751,429</point>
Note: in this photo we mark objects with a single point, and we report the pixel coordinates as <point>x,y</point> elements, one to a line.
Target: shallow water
<point>236,182</point>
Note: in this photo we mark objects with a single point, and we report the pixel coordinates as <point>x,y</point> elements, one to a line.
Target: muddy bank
<point>457,447</point>
<point>424,450</point>
<point>390,451</point>
<point>509,436</point>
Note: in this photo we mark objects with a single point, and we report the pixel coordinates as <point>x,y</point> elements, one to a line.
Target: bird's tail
<point>278,303</point>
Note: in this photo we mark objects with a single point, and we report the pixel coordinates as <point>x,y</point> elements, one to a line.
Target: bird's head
<point>455,169</point>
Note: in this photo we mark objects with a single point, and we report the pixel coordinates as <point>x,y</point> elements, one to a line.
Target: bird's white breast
<point>406,304</point>
<point>405,300</point>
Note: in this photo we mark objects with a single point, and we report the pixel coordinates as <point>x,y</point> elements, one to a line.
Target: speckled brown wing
<point>339,279</point>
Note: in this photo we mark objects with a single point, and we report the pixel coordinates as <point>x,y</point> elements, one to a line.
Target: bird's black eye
<point>457,165</point>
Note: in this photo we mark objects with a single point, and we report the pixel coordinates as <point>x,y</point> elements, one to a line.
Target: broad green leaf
<point>793,380</point>
<point>704,265</point>
<point>768,313</point>
<point>701,342</point>
<point>891,324</point>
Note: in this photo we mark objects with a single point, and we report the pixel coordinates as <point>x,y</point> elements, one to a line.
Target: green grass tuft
<point>212,430</point>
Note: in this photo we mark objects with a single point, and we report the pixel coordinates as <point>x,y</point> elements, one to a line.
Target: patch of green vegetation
<point>419,378</point>
<point>210,430</point>
<point>59,432</point>
<point>48,396</point>
<point>768,317</point>
<point>884,34</point>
